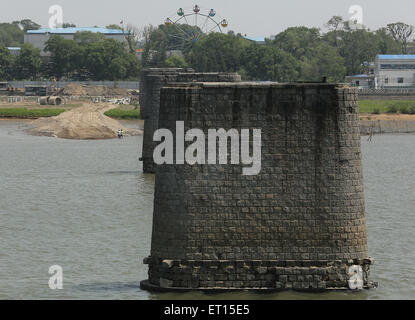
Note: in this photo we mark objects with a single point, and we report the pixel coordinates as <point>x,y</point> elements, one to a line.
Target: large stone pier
<point>298,224</point>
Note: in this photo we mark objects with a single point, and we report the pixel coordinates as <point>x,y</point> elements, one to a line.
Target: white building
<point>361,81</point>
<point>39,37</point>
<point>395,71</point>
<point>14,50</point>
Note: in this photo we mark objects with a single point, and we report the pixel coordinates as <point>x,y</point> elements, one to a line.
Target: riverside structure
<point>151,81</point>
<point>299,224</point>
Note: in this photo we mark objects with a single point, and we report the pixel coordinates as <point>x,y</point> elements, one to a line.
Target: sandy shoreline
<point>89,122</point>
<point>86,122</point>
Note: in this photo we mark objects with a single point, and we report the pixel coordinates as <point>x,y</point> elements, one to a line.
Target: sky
<point>251,17</point>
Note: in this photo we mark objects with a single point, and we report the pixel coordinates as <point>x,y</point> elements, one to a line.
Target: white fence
<point>60,84</point>
<point>67,99</point>
<point>388,91</point>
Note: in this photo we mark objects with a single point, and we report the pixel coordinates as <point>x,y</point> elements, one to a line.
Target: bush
<point>404,110</point>
<point>123,114</point>
<point>392,109</point>
<point>403,107</point>
<point>376,111</point>
<point>29,113</point>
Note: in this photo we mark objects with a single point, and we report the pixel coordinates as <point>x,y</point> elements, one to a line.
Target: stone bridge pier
<point>152,80</point>
<point>298,224</point>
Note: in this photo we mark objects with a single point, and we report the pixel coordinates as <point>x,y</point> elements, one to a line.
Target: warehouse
<point>395,71</point>
<point>38,38</point>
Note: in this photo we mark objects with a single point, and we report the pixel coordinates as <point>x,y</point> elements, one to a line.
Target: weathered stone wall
<point>152,79</point>
<point>299,223</point>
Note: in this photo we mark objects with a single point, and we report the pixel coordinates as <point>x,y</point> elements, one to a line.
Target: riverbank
<point>25,113</point>
<point>35,112</point>
<point>124,113</point>
<point>387,106</point>
<point>370,121</point>
<point>387,123</point>
<point>83,123</point>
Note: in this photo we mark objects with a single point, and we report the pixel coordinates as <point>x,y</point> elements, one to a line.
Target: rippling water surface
<point>87,206</point>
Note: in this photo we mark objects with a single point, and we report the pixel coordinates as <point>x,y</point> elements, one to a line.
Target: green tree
<point>109,60</point>
<point>334,25</point>
<point>11,35</point>
<point>85,37</point>
<point>268,63</point>
<point>158,41</point>
<point>402,33</point>
<point>324,61</point>
<point>217,52</point>
<point>65,56</point>
<point>6,64</point>
<point>298,41</point>
<point>358,48</point>
<point>386,43</point>
<point>114,26</point>
<point>28,63</point>
<point>175,61</point>
<point>155,48</point>
<point>68,25</point>
<point>316,55</point>
<point>27,24</point>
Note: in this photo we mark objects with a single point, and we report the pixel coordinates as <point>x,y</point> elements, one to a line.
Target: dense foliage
<point>296,54</point>
<point>88,56</point>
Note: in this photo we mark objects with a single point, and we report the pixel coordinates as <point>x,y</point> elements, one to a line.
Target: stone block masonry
<point>152,80</point>
<point>298,224</point>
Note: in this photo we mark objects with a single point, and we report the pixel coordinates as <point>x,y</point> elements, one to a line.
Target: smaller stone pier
<point>152,80</point>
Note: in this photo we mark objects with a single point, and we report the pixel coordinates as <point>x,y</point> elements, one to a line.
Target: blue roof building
<point>361,80</point>
<point>396,56</point>
<point>39,37</point>
<point>395,70</point>
<point>259,40</point>
<point>71,31</point>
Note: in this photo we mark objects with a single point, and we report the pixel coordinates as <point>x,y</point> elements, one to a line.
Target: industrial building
<point>394,71</point>
<point>38,38</point>
<point>362,81</point>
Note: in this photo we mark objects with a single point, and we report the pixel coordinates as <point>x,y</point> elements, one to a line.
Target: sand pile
<point>75,89</point>
<point>85,122</point>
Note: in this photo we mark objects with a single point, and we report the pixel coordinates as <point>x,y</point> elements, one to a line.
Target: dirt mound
<point>74,89</point>
<point>85,122</point>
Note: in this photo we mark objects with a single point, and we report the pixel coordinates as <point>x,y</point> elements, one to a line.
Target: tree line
<point>89,56</point>
<point>296,54</point>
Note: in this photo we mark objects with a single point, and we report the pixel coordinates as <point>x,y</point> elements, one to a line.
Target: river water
<point>87,207</point>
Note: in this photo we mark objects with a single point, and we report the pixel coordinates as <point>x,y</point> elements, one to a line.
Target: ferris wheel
<point>187,26</point>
